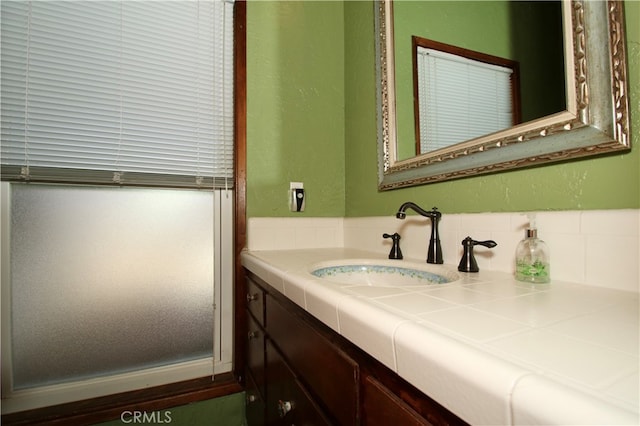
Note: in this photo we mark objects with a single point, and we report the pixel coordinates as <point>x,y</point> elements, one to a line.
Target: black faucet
<point>435,250</point>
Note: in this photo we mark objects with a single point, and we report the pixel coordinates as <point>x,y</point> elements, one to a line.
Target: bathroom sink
<point>383,273</point>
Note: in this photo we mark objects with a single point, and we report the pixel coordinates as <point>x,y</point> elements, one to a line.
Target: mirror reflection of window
<point>461,94</point>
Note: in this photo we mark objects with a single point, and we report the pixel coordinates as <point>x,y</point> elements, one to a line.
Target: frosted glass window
<point>108,280</point>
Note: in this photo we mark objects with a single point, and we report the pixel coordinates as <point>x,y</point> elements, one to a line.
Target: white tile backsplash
<point>594,247</point>
<point>280,233</point>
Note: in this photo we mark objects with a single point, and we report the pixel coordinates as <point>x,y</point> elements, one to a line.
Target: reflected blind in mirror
<point>121,92</point>
<point>460,98</point>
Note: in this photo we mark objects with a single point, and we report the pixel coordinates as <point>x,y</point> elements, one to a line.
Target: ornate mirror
<point>589,106</point>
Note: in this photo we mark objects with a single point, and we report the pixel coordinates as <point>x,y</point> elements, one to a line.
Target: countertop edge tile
<point>469,382</point>
<point>370,328</point>
<point>264,271</point>
<point>322,302</point>
<point>563,405</point>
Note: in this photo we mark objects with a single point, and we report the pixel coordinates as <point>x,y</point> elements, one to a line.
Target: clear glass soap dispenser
<point>532,256</point>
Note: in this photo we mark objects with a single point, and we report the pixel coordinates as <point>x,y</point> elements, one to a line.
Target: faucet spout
<point>434,213</point>
<point>435,250</point>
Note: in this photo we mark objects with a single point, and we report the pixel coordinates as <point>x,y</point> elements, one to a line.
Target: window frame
<point>420,42</point>
<point>219,362</point>
<point>183,392</point>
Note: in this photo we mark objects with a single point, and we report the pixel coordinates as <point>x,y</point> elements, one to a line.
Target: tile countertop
<point>492,350</point>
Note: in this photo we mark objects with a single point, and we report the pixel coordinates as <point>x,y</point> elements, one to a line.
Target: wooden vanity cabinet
<point>300,372</point>
<point>255,379</point>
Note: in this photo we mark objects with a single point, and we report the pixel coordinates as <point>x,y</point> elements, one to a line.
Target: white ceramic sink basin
<point>384,273</point>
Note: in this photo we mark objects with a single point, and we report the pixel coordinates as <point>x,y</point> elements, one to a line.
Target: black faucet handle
<point>487,243</point>
<point>395,252</point>
<point>468,262</point>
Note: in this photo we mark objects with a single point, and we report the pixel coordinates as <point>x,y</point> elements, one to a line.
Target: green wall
<point>502,28</point>
<point>312,118</point>
<point>295,106</point>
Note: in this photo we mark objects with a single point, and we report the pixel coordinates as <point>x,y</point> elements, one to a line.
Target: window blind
<point>118,92</point>
<point>460,98</point>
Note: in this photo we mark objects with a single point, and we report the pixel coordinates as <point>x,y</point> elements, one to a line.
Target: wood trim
<point>110,407</point>
<point>240,222</point>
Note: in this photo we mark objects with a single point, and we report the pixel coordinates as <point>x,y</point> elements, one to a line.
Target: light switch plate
<point>297,196</point>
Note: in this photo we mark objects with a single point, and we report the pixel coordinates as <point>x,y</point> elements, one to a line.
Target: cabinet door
<point>287,401</point>
<point>255,406</point>
<point>329,373</point>
<point>382,408</point>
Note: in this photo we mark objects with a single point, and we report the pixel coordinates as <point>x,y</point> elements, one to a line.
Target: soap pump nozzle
<point>532,229</point>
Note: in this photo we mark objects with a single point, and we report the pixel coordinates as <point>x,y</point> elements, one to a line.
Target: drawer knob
<point>284,407</point>
<point>252,297</point>
<point>251,398</point>
<point>253,335</point>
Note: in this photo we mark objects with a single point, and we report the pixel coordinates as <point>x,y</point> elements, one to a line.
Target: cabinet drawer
<point>326,370</point>
<point>255,353</point>
<point>255,406</point>
<point>287,401</point>
<point>255,301</point>
<point>382,408</point>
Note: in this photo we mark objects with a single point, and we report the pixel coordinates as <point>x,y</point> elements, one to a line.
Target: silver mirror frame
<point>596,120</point>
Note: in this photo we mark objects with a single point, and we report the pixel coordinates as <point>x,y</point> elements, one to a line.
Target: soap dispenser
<point>532,256</point>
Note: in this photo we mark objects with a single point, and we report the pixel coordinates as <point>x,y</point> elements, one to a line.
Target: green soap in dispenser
<point>532,256</point>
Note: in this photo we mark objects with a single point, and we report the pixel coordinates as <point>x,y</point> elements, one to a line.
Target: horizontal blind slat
<point>119,86</point>
<point>460,98</point>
